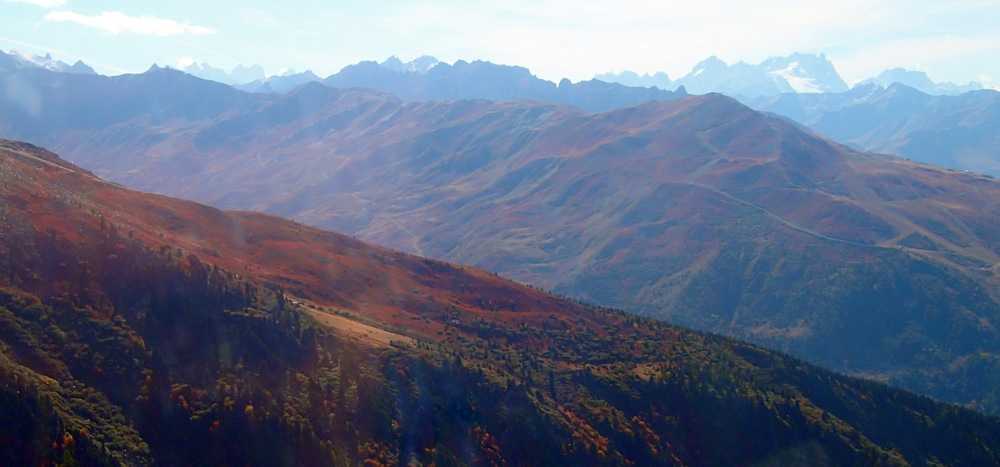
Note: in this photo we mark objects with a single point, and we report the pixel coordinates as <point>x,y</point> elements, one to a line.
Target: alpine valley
<point>141,329</point>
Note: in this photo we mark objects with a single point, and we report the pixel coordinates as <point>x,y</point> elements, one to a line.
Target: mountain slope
<point>138,329</point>
<point>698,210</point>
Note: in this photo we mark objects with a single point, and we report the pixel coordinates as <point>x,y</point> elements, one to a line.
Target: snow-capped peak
<point>37,61</point>
<point>421,64</point>
<point>805,73</point>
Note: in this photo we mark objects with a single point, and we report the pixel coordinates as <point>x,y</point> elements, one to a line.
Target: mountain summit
<point>805,73</point>
<point>421,64</point>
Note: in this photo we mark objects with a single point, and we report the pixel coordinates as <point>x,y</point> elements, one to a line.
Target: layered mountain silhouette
<point>699,210</point>
<point>801,73</point>
<point>239,75</point>
<point>958,132</point>
<point>427,79</point>
<point>280,83</point>
<point>797,73</point>
<point>19,59</point>
<point>921,82</point>
<point>485,80</point>
<point>139,329</point>
<point>882,116</point>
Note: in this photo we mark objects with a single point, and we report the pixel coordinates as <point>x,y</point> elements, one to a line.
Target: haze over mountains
<point>899,112</point>
<point>426,79</point>
<point>876,115</point>
<point>699,210</point>
<point>883,118</point>
<point>139,329</point>
<point>796,73</point>
<point>18,59</point>
<point>239,75</point>
<point>776,75</point>
<point>959,132</point>
<point>918,80</point>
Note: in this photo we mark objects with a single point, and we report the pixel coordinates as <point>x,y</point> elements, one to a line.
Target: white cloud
<point>116,22</point>
<point>41,3</point>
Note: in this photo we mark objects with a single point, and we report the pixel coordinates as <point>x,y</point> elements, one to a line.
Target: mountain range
<point>698,210</point>
<point>919,81</point>
<point>876,115</point>
<point>959,132</point>
<point>239,75</point>
<point>426,79</point>
<point>19,59</point>
<point>796,73</point>
<point>484,80</point>
<point>138,329</point>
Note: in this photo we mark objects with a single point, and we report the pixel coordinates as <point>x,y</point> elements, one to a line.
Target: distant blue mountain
<point>798,73</point>
<point>803,73</point>
<point>958,132</point>
<point>20,59</point>
<point>485,80</point>
<point>279,84</point>
<point>920,81</point>
<point>240,74</point>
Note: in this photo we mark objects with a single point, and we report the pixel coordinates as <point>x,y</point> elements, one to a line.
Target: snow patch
<point>800,84</point>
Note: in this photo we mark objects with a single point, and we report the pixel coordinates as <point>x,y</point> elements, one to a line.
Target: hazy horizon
<point>958,42</point>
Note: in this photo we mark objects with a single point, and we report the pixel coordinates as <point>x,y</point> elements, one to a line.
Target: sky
<point>950,40</point>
